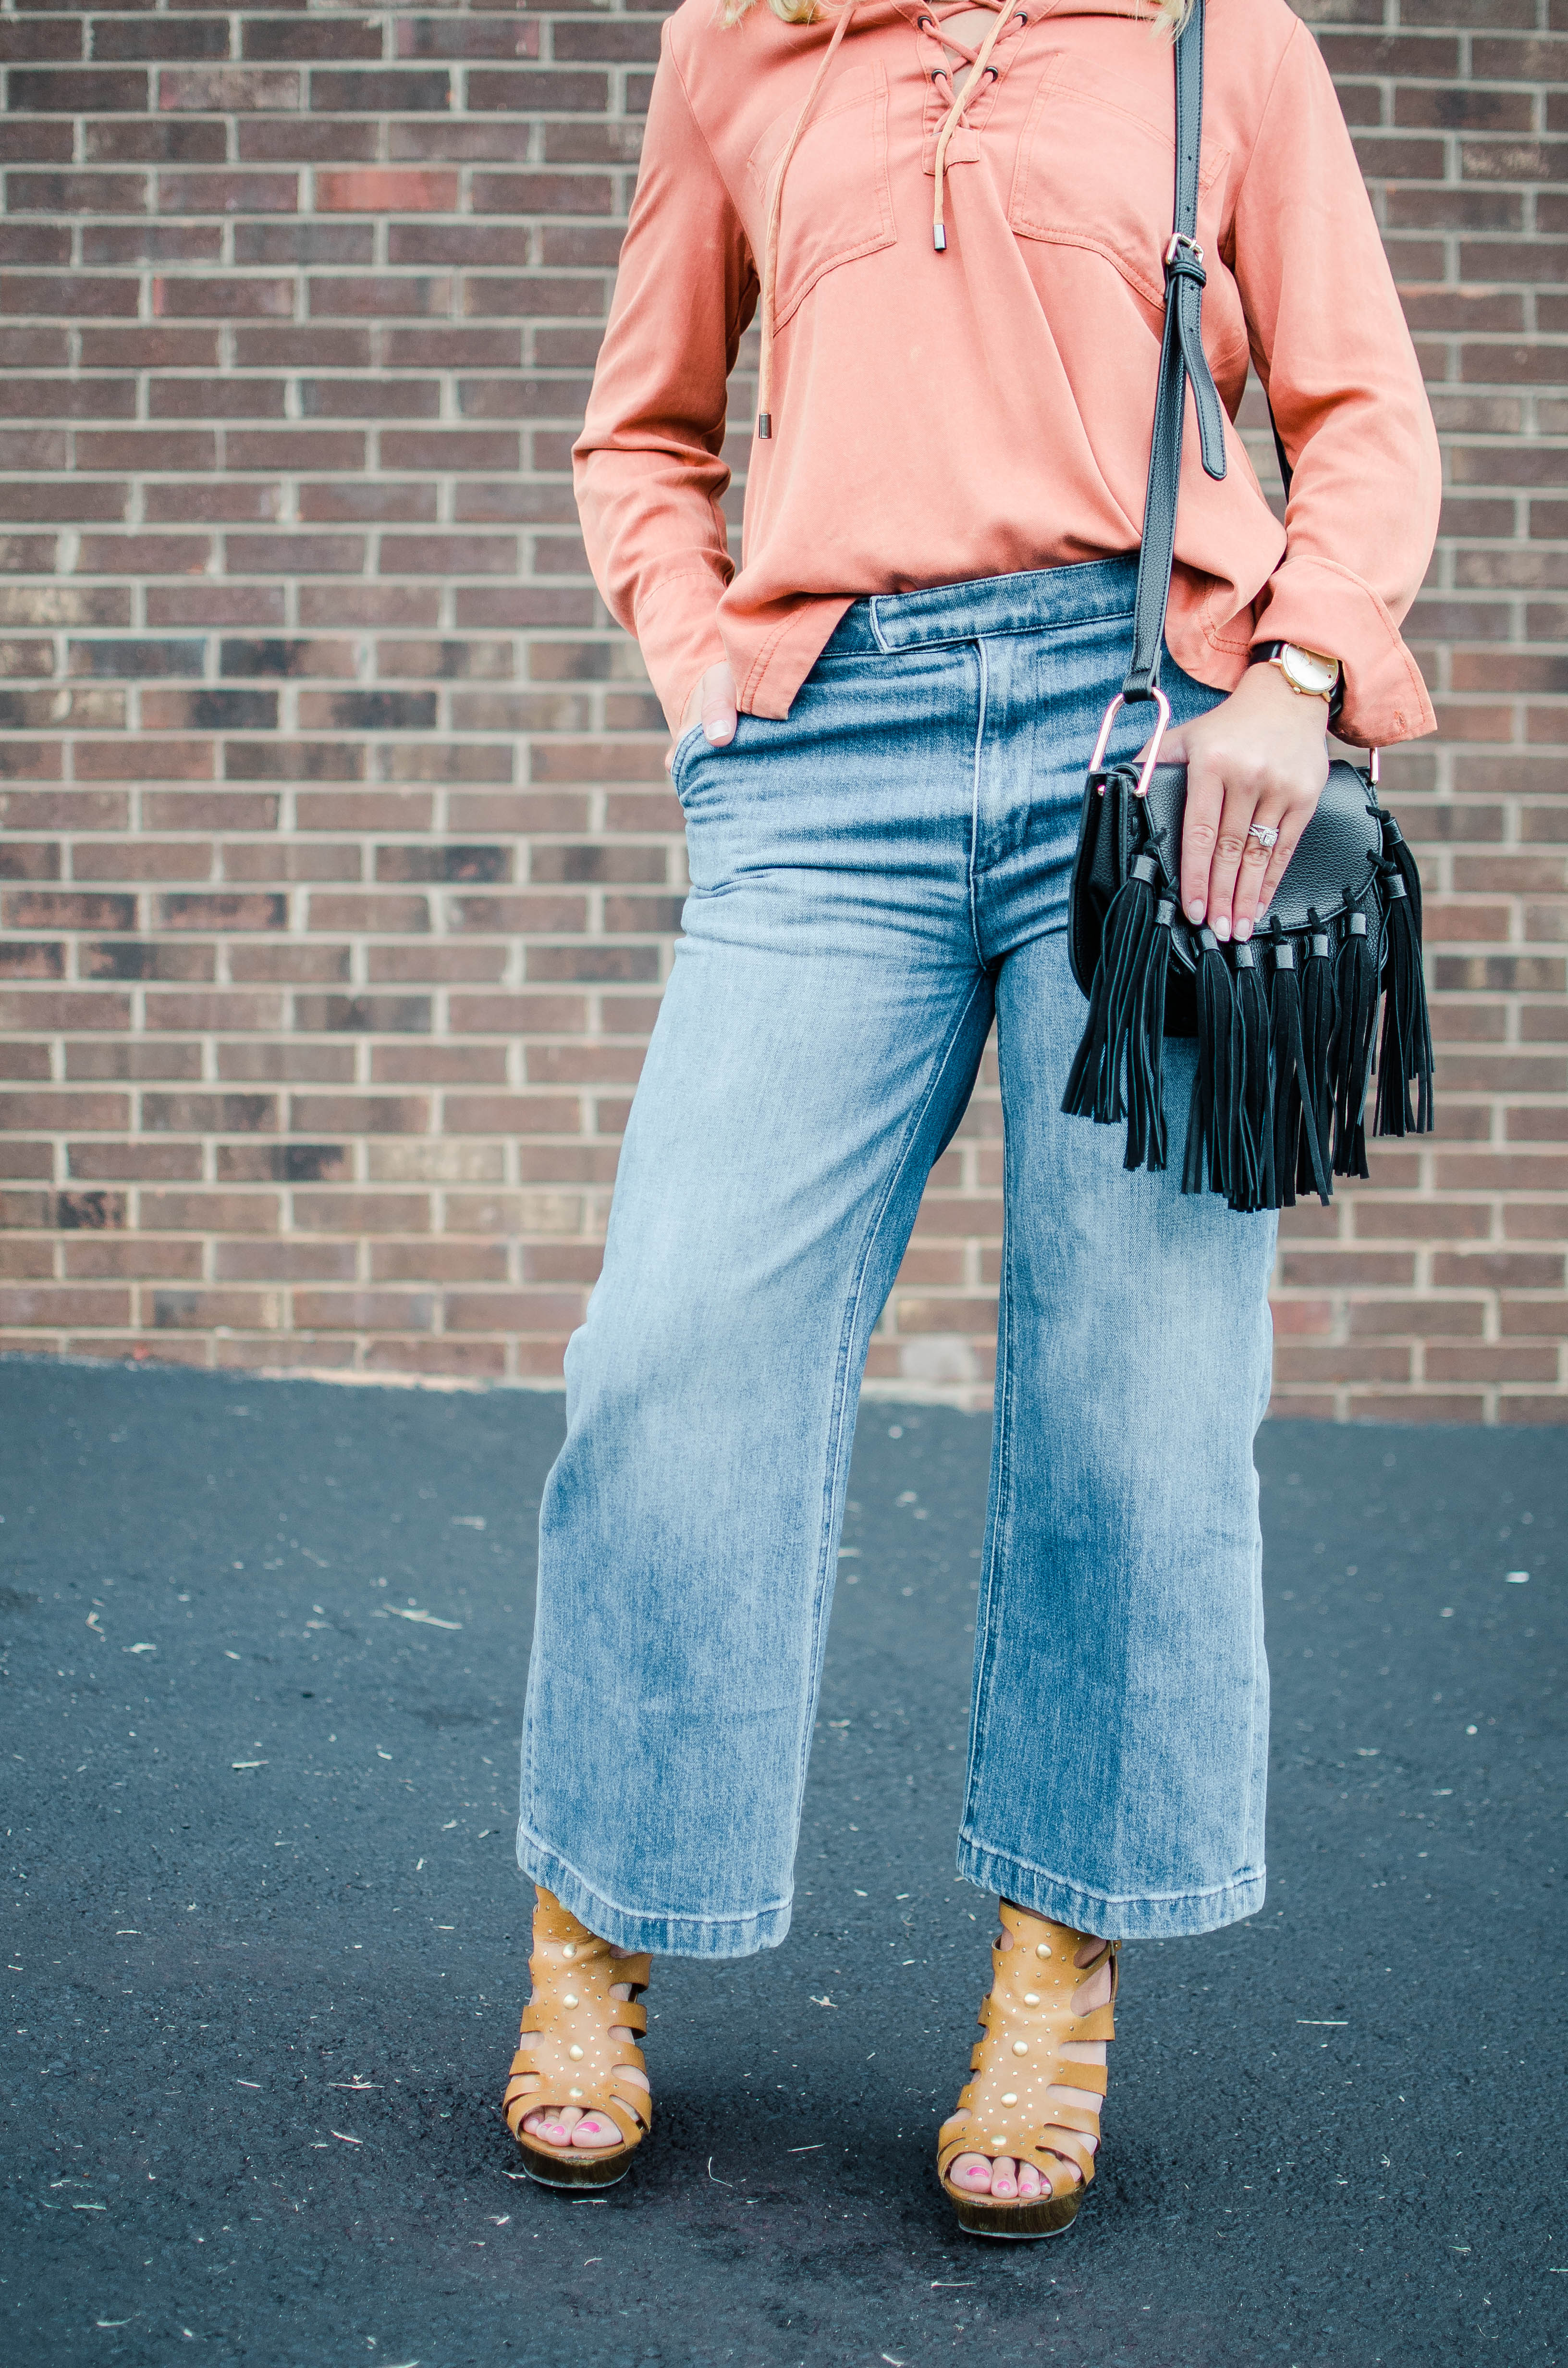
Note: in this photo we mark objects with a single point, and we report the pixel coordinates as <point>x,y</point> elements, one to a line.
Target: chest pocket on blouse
<point>837,199</point>
<point>1094,172</point>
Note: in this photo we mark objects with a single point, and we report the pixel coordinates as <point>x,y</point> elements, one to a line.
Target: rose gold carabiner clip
<point>1163,718</point>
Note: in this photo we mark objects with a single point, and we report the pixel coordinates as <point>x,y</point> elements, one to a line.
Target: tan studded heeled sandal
<point>566,2056</point>
<point>1006,2110</point>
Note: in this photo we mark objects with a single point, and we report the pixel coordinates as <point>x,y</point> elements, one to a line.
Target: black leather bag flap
<point>1329,872</point>
<point>1332,872</point>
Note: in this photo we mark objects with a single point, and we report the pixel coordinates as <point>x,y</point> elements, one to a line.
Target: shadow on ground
<point>264,1658</point>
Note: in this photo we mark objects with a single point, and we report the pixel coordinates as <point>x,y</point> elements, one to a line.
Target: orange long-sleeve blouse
<point>941,415</point>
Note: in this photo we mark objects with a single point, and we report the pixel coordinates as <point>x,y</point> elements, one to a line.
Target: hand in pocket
<point>712,704</point>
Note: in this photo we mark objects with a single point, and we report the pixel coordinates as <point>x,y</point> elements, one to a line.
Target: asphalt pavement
<point>264,1645</point>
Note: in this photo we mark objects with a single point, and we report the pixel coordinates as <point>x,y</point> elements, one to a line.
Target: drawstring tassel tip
<point>764,426</point>
<point>939,238</point>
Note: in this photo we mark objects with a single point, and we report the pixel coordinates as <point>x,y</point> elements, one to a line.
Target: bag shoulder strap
<point>1181,358</point>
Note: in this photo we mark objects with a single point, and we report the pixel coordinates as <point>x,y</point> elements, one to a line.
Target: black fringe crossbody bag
<point>1286,1023</point>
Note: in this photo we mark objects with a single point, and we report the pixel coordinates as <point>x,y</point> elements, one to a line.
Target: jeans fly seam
<point>835,1429</point>
<point>974,803</point>
<point>876,625</point>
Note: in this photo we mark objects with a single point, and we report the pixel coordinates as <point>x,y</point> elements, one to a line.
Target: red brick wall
<point>338,870</point>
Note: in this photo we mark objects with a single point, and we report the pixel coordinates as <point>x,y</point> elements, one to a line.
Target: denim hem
<point>662,1935</point>
<point>1114,1916</point>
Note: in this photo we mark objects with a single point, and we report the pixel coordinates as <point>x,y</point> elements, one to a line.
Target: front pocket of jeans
<point>692,742</point>
<point>837,196</point>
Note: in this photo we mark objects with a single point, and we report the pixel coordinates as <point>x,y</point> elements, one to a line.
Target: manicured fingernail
<point>1221,929</point>
<point>1263,908</point>
<point>713,730</point>
<point>1195,909</point>
<point>1244,931</point>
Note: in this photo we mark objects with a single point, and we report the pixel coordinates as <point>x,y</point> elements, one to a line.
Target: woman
<point>952,219</point>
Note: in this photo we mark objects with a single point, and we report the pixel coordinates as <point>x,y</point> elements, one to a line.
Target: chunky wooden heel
<point>566,2056</point>
<point>1032,2011</point>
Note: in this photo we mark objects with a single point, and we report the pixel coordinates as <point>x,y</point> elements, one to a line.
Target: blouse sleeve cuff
<point>1322,605</point>
<point>678,632</point>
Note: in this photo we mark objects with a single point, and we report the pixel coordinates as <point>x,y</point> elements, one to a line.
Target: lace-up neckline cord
<point>979,64</point>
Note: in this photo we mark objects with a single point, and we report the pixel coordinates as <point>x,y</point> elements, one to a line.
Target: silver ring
<point>1265,834</point>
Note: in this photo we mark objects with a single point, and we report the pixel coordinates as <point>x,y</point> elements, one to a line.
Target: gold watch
<point>1310,672</point>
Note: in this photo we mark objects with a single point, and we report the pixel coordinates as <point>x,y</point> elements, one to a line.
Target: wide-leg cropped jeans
<point>874,880</point>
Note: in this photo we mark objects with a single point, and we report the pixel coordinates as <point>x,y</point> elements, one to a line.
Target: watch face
<point>1308,670</point>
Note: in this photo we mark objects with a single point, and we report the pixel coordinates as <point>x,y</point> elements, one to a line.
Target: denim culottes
<point>873,882</point>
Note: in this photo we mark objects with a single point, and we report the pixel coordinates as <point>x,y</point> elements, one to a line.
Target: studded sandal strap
<point>566,2056</point>
<point>627,2014</point>
<point>1033,2013</point>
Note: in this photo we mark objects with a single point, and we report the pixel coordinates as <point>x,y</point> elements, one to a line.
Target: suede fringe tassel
<point>1208,1162</point>
<point>1404,1055</point>
<point>1350,1053</point>
<point>1319,1016</point>
<point>1295,1089</point>
<point>1118,1071</point>
<point>1253,1188</point>
<point>1286,1024</point>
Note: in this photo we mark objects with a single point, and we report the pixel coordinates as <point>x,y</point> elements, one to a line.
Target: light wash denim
<point>873,882</point>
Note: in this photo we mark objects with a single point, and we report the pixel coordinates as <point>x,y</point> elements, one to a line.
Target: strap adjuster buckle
<point>1178,246</point>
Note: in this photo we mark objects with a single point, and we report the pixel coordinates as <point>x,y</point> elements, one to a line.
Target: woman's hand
<point>712,702</point>
<point>1260,755</point>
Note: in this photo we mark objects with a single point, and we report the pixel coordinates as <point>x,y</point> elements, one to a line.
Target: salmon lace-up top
<point>961,325</point>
